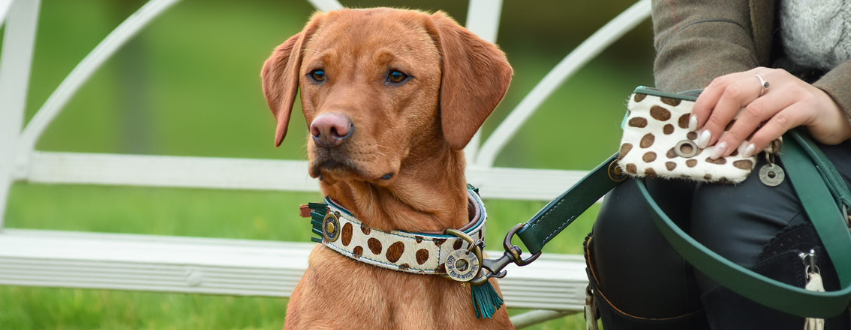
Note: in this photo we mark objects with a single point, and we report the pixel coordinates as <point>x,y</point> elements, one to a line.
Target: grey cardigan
<point>697,41</point>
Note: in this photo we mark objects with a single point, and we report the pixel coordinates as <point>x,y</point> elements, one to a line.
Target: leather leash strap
<point>820,189</point>
<point>562,211</point>
<point>822,210</point>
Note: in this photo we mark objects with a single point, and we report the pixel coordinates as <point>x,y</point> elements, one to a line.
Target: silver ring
<point>764,84</point>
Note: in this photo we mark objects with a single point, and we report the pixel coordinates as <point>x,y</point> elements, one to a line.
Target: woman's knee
<point>737,221</point>
<point>633,265</point>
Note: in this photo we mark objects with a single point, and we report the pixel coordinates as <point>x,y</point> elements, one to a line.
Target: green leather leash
<point>819,186</point>
<point>821,207</point>
<point>562,211</point>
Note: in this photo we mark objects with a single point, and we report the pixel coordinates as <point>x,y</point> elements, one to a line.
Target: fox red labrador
<point>391,97</point>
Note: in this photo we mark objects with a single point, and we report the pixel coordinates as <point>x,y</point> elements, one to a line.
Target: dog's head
<point>381,85</point>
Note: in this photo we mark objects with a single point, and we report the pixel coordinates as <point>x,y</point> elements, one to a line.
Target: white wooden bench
<point>554,285</point>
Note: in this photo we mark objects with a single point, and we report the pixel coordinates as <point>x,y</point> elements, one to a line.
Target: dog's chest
<point>376,297</point>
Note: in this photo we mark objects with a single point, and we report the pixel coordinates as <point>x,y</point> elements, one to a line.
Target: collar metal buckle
<point>468,264</point>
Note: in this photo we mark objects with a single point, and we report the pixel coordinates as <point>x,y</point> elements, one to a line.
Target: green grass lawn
<point>202,97</point>
<point>187,212</point>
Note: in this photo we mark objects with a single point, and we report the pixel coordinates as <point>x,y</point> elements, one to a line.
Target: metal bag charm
<point>771,174</point>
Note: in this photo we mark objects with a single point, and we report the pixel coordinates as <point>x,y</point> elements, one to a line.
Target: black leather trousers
<point>642,283</point>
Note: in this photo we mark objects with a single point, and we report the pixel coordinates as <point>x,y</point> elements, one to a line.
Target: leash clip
<point>515,250</point>
<point>512,254</point>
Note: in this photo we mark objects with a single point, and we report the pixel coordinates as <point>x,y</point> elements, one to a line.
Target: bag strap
<point>819,187</point>
<point>833,233</point>
<point>832,178</point>
<point>822,210</point>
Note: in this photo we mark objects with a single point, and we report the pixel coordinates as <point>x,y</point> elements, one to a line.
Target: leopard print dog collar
<point>418,253</point>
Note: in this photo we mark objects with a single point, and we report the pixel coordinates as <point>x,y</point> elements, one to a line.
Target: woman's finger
<point>735,96</point>
<point>788,118</point>
<point>750,119</point>
<point>709,98</point>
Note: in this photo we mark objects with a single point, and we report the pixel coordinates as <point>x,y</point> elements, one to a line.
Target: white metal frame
<point>176,264</point>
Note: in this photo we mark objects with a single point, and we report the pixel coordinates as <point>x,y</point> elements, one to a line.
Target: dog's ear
<point>280,77</point>
<point>476,75</point>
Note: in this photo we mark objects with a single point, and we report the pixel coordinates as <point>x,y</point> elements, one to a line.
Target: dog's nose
<point>330,130</point>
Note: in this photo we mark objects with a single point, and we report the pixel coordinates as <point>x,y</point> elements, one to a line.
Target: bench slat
<point>259,174</point>
<point>226,266</point>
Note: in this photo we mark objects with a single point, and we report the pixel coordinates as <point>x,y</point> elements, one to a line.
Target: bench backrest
<point>20,161</point>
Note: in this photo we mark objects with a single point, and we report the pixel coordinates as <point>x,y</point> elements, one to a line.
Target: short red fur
<point>402,166</point>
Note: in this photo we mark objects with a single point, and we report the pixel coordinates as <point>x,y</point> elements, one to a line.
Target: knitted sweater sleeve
<point>837,84</point>
<point>699,40</point>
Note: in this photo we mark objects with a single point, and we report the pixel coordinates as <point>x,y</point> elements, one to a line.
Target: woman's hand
<point>766,113</point>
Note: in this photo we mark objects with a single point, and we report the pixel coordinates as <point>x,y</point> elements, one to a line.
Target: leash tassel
<point>485,300</point>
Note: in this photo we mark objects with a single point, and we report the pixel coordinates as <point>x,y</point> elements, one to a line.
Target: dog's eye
<point>396,76</point>
<point>317,75</point>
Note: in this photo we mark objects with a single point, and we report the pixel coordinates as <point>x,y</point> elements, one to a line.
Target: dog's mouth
<point>327,165</point>
<point>333,166</point>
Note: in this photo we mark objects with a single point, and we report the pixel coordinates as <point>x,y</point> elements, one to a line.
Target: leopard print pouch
<point>657,142</point>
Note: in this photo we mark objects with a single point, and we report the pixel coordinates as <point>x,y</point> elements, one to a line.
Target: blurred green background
<point>189,85</point>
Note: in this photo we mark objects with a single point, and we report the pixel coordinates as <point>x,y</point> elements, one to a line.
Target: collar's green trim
<point>319,210</point>
<point>317,214</point>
